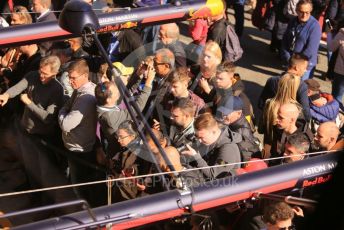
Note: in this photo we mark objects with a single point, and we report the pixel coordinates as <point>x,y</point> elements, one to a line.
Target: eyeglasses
<point>74,78</point>
<point>44,74</point>
<point>158,63</point>
<point>304,12</point>
<point>122,138</point>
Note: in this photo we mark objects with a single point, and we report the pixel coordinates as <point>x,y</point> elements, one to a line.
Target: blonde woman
<point>286,93</point>
<point>205,72</point>
<point>20,16</point>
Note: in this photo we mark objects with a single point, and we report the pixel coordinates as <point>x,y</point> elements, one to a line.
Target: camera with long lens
<point>188,140</point>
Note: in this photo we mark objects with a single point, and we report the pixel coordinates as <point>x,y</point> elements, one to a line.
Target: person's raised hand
<point>156,125</point>
<point>203,83</point>
<point>150,75</point>
<point>190,151</point>
<point>3,99</point>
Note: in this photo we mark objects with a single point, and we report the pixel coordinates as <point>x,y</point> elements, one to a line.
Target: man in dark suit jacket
<point>42,8</point>
<point>44,14</point>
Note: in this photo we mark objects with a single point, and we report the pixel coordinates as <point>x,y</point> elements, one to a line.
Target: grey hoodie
<point>111,118</point>
<point>224,151</point>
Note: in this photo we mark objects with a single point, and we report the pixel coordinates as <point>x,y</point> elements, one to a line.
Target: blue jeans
<point>328,41</point>
<point>338,89</point>
<point>308,74</point>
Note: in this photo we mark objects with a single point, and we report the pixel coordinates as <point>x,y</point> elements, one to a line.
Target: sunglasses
<point>291,227</point>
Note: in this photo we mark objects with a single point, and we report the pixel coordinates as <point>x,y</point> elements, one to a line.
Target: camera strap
<point>295,33</point>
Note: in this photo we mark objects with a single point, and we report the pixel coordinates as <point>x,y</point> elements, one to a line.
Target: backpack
<point>233,50</point>
<point>249,148</point>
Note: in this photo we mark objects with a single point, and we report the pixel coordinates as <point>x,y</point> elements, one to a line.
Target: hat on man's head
<point>313,84</point>
<point>229,105</point>
<point>123,69</point>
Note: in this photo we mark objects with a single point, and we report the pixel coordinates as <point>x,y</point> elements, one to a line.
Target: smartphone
<point>328,23</point>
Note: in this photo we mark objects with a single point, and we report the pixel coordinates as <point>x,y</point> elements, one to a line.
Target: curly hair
<point>276,212</point>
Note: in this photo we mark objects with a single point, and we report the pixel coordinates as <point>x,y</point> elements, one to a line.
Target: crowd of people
<point>63,93</point>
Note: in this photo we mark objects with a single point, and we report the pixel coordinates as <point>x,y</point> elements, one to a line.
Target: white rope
<point>154,174</point>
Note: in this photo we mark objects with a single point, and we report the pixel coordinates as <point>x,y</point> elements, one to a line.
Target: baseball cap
<point>313,84</point>
<point>123,69</point>
<point>229,105</point>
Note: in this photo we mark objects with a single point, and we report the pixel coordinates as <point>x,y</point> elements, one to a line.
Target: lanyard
<point>10,5</point>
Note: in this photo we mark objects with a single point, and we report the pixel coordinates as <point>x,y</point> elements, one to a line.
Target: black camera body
<point>189,140</point>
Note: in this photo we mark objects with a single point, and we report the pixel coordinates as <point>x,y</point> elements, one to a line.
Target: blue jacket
<point>326,112</point>
<point>307,40</point>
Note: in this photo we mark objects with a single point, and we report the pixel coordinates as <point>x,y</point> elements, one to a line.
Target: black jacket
<point>24,66</point>
<point>50,16</point>
<point>238,89</point>
<point>249,146</point>
<point>280,138</point>
<point>197,75</point>
<point>154,107</point>
<point>217,33</point>
<point>45,46</point>
<point>334,13</point>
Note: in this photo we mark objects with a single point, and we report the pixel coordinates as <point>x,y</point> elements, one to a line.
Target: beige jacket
<point>338,43</point>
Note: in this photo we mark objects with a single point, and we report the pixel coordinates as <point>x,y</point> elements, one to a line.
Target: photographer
<point>126,163</point>
<point>110,115</point>
<point>182,130</point>
<point>218,147</point>
<point>230,113</point>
